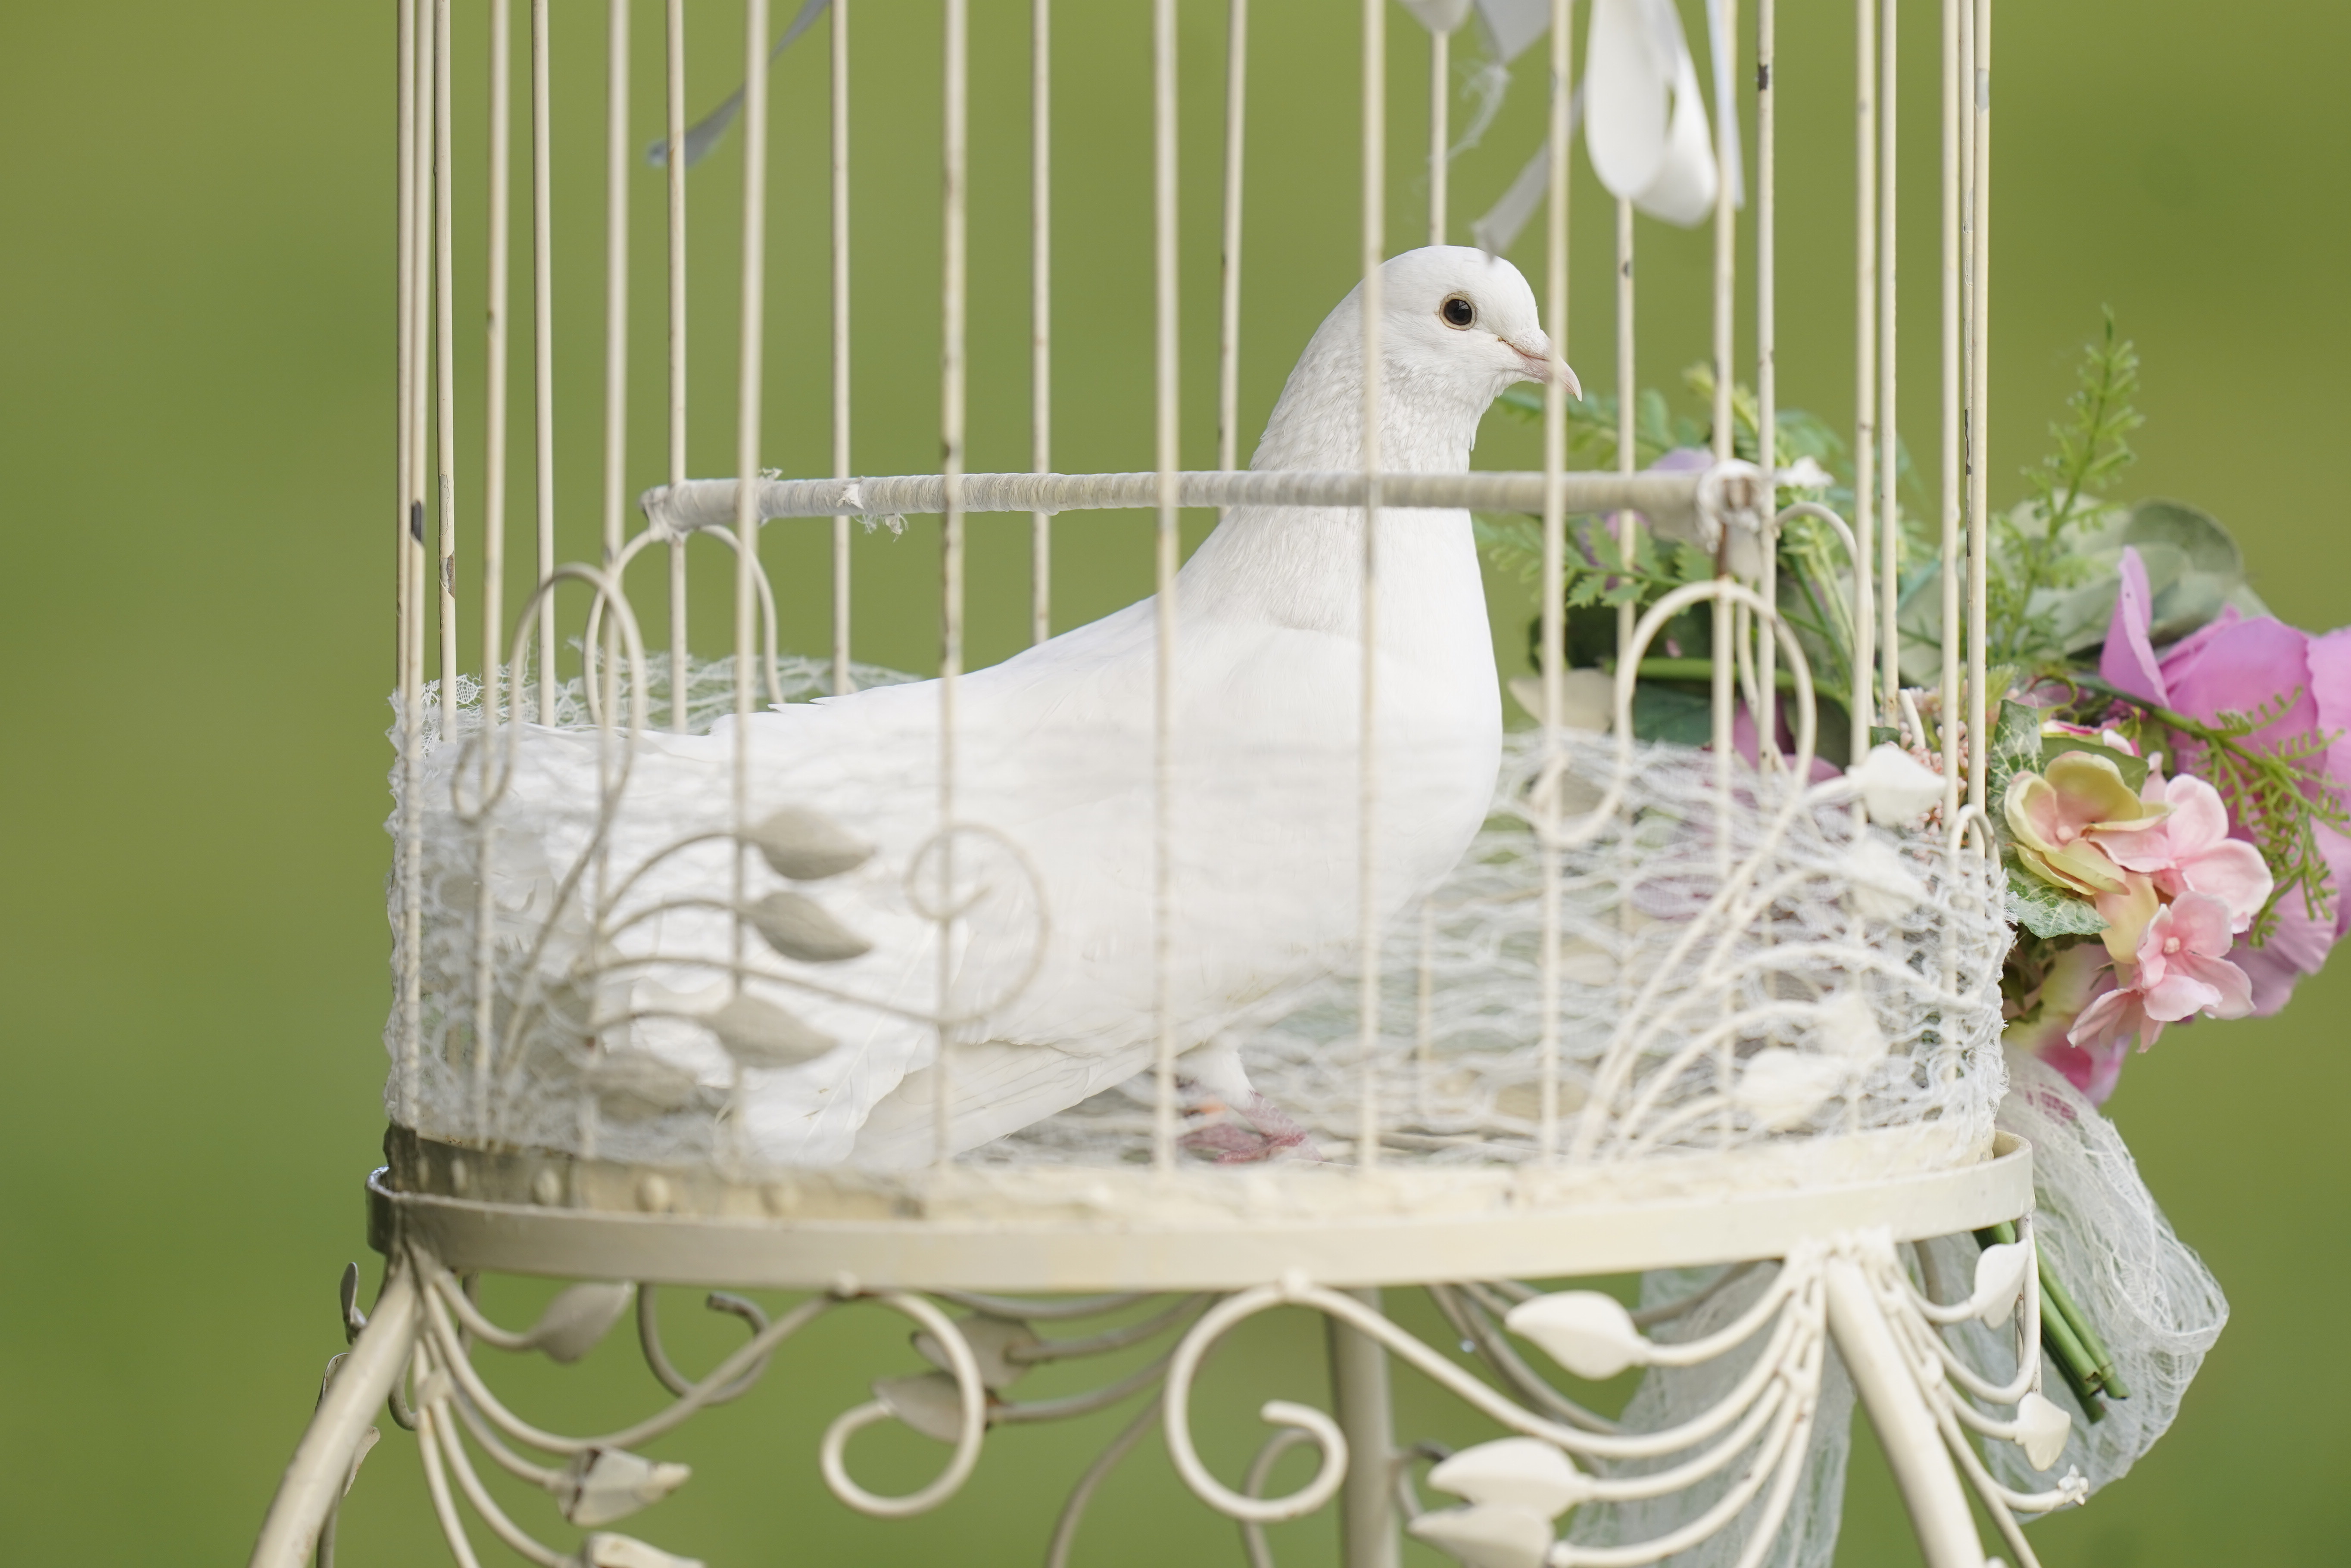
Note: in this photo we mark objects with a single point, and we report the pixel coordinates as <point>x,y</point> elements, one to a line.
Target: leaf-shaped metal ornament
<point>605,1550</point>
<point>1782,1087</point>
<point>635,1084</point>
<point>1846,1027</point>
<point>1895,788</point>
<point>2042,1428</point>
<point>995,1342</point>
<point>580,1316</point>
<point>1525,1471</point>
<point>807,846</point>
<point>1589,1333</point>
<point>1882,887</point>
<point>2000,1280</point>
<point>601,1485</point>
<point>758,1033</point>
<point>798,927</point>
<point>929,1402</point>
<point>1487,1534</point>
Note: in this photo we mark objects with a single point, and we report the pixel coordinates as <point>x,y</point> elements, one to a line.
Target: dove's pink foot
<point>1263,1131</point>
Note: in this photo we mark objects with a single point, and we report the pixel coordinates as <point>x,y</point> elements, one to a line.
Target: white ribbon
<point>1645,124</point>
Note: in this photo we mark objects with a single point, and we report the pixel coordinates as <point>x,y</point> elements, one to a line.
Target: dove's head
<point>1456,326</point>
<point>1456,314</point>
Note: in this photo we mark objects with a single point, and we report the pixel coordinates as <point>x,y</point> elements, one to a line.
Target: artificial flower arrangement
<point>2167,760</point>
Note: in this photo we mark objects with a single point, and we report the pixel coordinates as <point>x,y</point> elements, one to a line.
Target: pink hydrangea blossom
<point>2189,851</point>
<point>2239,664</point>
<point>2078,975</point>
<point>2182,968</point>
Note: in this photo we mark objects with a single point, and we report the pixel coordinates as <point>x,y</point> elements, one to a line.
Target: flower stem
<point>2074,1348</point>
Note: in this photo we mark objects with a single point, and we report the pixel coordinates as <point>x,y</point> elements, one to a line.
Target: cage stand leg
<point>323,1460</point>
<point>1359,1387</point>
<point>1930,1487</point>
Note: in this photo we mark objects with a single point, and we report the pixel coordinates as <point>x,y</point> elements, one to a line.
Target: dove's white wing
<point>1055,752</point>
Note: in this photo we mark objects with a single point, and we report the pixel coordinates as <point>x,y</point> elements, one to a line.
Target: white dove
<point>1054,750</point>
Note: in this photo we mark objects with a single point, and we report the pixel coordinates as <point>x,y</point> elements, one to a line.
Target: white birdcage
<point>899,1010</point>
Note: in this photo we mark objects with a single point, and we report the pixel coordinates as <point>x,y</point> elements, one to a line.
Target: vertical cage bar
<point>1440,72</point>
<point>542,302</point>
<point>1865,367</point>
<point>956,161</point>
<point>499,259</point>
<point>494,524</point>
<point>1959,436</point>
<point>404,857</point>
<point>842,681</point>
<point>1041,309</point>
<point>1725,241</point>
<point>674,168</point>
<point>1628,382</point>
<point>1374,246</point>
<point>1727,616</point>
<point>1555,554</point>
<point>1165,456</point>
<point>404,289</point>
<point>1889,434</point>
<point>1767,368</point>
<point>411,678</point>
<point>1980,407</point>
<point>616,316</point>
<point>1228,316</point>
<point>420,350</point>
<point>445,390</point>
<point>749,385</point>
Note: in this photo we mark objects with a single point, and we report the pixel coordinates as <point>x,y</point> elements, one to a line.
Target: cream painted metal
<point>1079,1228</point>
<point>1830,1213</point>
<point>1835,1280</point>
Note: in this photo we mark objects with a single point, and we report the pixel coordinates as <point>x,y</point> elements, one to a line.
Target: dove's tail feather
<point>997,1087</point>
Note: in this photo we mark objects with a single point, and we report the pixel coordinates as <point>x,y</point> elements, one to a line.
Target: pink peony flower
<point>2182,968</point>
<point>2190,851</point>
<point>2236,665</point>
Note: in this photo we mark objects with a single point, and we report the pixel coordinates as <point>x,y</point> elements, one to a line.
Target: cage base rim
<point>1091,1228</point>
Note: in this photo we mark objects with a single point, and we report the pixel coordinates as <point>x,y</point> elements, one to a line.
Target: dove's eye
<point>1457,311</point>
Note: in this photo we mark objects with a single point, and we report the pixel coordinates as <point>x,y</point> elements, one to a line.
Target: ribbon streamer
<point>706,131</point>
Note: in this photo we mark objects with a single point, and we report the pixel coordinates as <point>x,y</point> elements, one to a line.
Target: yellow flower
<point>2050,815</point>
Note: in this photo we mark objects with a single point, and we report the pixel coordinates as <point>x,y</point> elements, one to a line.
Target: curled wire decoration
<point>1033,943</point>
<point>972,1424</point>
<point>1752,1441</point>
<point>666,1372</point>
<point>607,587</point>
<point>449,1403</point>
<point>1747,1445</point>
<point>932,887</point>
<point>589,642</point>
<point>1592,821</point>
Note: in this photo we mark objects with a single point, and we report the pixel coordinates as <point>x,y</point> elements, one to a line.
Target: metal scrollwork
<point>1513,1499</point>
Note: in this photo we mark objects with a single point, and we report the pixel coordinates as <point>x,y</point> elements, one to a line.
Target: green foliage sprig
<point>2275,789</point>
<point>2031,545</point>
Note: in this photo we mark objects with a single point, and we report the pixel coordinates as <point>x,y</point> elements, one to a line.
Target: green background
<point>195,445</point>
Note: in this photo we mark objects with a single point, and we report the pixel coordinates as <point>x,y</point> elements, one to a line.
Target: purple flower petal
<point>2127,662</point>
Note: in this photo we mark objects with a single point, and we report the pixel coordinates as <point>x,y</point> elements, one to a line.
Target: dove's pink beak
<point>1538,365</point>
